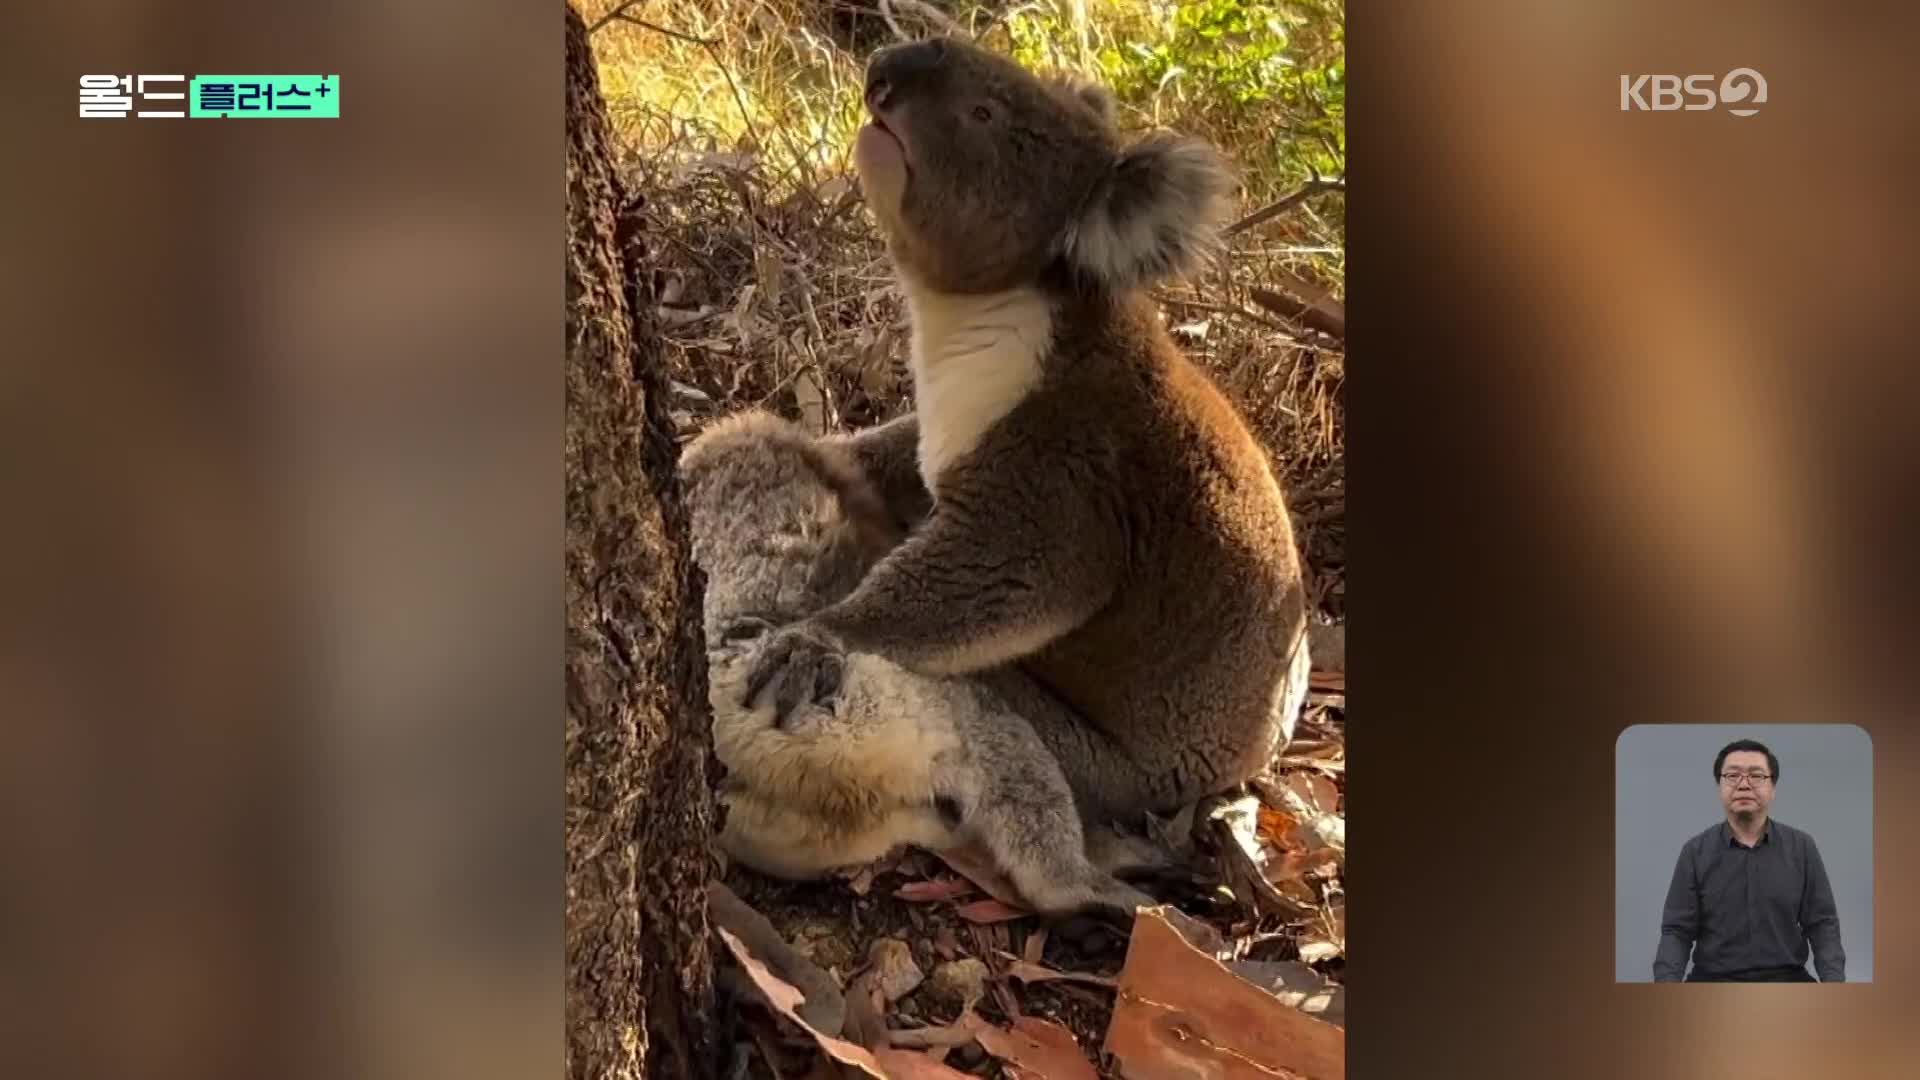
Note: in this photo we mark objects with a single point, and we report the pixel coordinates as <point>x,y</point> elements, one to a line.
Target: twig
<point>1005,17</point>
<point>713,50</point>
<point>1308,190</point>
<point>886,13</point>
<point>658,29</point>
<point>1225,309</point>
<point>1323,314</point>
<point>1333,152</point>
<point>940,19</point>
<point>610,16</point>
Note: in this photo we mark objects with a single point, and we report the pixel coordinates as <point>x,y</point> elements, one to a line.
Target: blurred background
<point>281,675</point>
<point>1629,441</point>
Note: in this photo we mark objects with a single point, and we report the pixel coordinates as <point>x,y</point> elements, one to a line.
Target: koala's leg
<point>1152,770</point>
<point>889,454</point>
<point>1012,799</point>
<point>1126,855</point>
<point>1026,819</point>
<point>1107,781</point>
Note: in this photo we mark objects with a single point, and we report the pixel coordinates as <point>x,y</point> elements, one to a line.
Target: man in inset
<point>1749,894</point>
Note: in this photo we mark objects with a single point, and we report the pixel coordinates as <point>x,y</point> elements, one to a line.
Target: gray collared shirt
<point>1737,908</point>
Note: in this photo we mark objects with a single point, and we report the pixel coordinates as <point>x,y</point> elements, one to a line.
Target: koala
<point>1084,504</point>
<point>874,756</point>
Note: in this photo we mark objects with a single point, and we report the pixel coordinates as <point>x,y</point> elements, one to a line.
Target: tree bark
<point>638,740</point>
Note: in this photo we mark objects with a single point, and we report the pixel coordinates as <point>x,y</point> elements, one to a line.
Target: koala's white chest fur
<point>974,358</point>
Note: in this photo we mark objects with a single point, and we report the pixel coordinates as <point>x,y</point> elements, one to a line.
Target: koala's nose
<point>898,68</point>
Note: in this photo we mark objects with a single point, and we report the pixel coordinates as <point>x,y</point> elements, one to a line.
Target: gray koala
<point>874,755</point>
<point>1085,504</point>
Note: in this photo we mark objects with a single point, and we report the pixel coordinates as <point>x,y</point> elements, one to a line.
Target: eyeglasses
<point>1756,778</point>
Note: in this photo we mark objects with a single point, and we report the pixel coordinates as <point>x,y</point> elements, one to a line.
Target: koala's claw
<point>743,634</point>
<point>800,665</point>
<point>746,628</point>
<point>739,637</point>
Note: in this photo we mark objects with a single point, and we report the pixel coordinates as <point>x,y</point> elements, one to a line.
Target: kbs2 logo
<point>1742,90</point>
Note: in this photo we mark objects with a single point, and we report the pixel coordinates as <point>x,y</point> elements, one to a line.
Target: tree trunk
<point>638,742</point>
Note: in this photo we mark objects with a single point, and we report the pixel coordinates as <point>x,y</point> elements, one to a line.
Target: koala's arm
<point>991,577</point>
<point>889,454</point>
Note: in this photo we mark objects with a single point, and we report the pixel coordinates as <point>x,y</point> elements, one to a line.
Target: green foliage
<point>1267,78</point>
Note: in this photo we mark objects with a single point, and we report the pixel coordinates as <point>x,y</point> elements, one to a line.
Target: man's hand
<point>801,663</point>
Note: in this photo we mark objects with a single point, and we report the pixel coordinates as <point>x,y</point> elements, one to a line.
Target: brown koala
<point>875,756</point>
<point>1095,511</point>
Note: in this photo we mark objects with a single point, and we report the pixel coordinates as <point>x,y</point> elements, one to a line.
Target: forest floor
<point>933,957</point>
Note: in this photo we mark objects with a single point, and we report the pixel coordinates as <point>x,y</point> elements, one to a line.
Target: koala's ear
<point>1097,97</point>
<point>1089,93</point>
<point>1157,213</point>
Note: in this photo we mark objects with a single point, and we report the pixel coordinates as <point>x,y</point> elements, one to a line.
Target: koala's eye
<point>982,113</point>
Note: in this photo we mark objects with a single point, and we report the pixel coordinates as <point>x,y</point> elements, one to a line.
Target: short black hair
<point>1773,763</point>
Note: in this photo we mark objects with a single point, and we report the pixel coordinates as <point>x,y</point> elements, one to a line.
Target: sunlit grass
<point>768,77</point>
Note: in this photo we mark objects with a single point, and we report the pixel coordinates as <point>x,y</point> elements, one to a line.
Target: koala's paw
<point>799,665</point>
<point>740,636</point>
<point>1117,904</point>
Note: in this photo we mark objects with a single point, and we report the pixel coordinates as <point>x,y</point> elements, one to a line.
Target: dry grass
<point>774,287</point>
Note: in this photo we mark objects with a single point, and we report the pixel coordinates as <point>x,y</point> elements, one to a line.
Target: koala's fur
<point>877,756</point>
<point>1089,506</point>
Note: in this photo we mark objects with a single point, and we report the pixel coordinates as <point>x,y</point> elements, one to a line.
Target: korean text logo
<point>1742,90</point>
<point>112,97</point>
